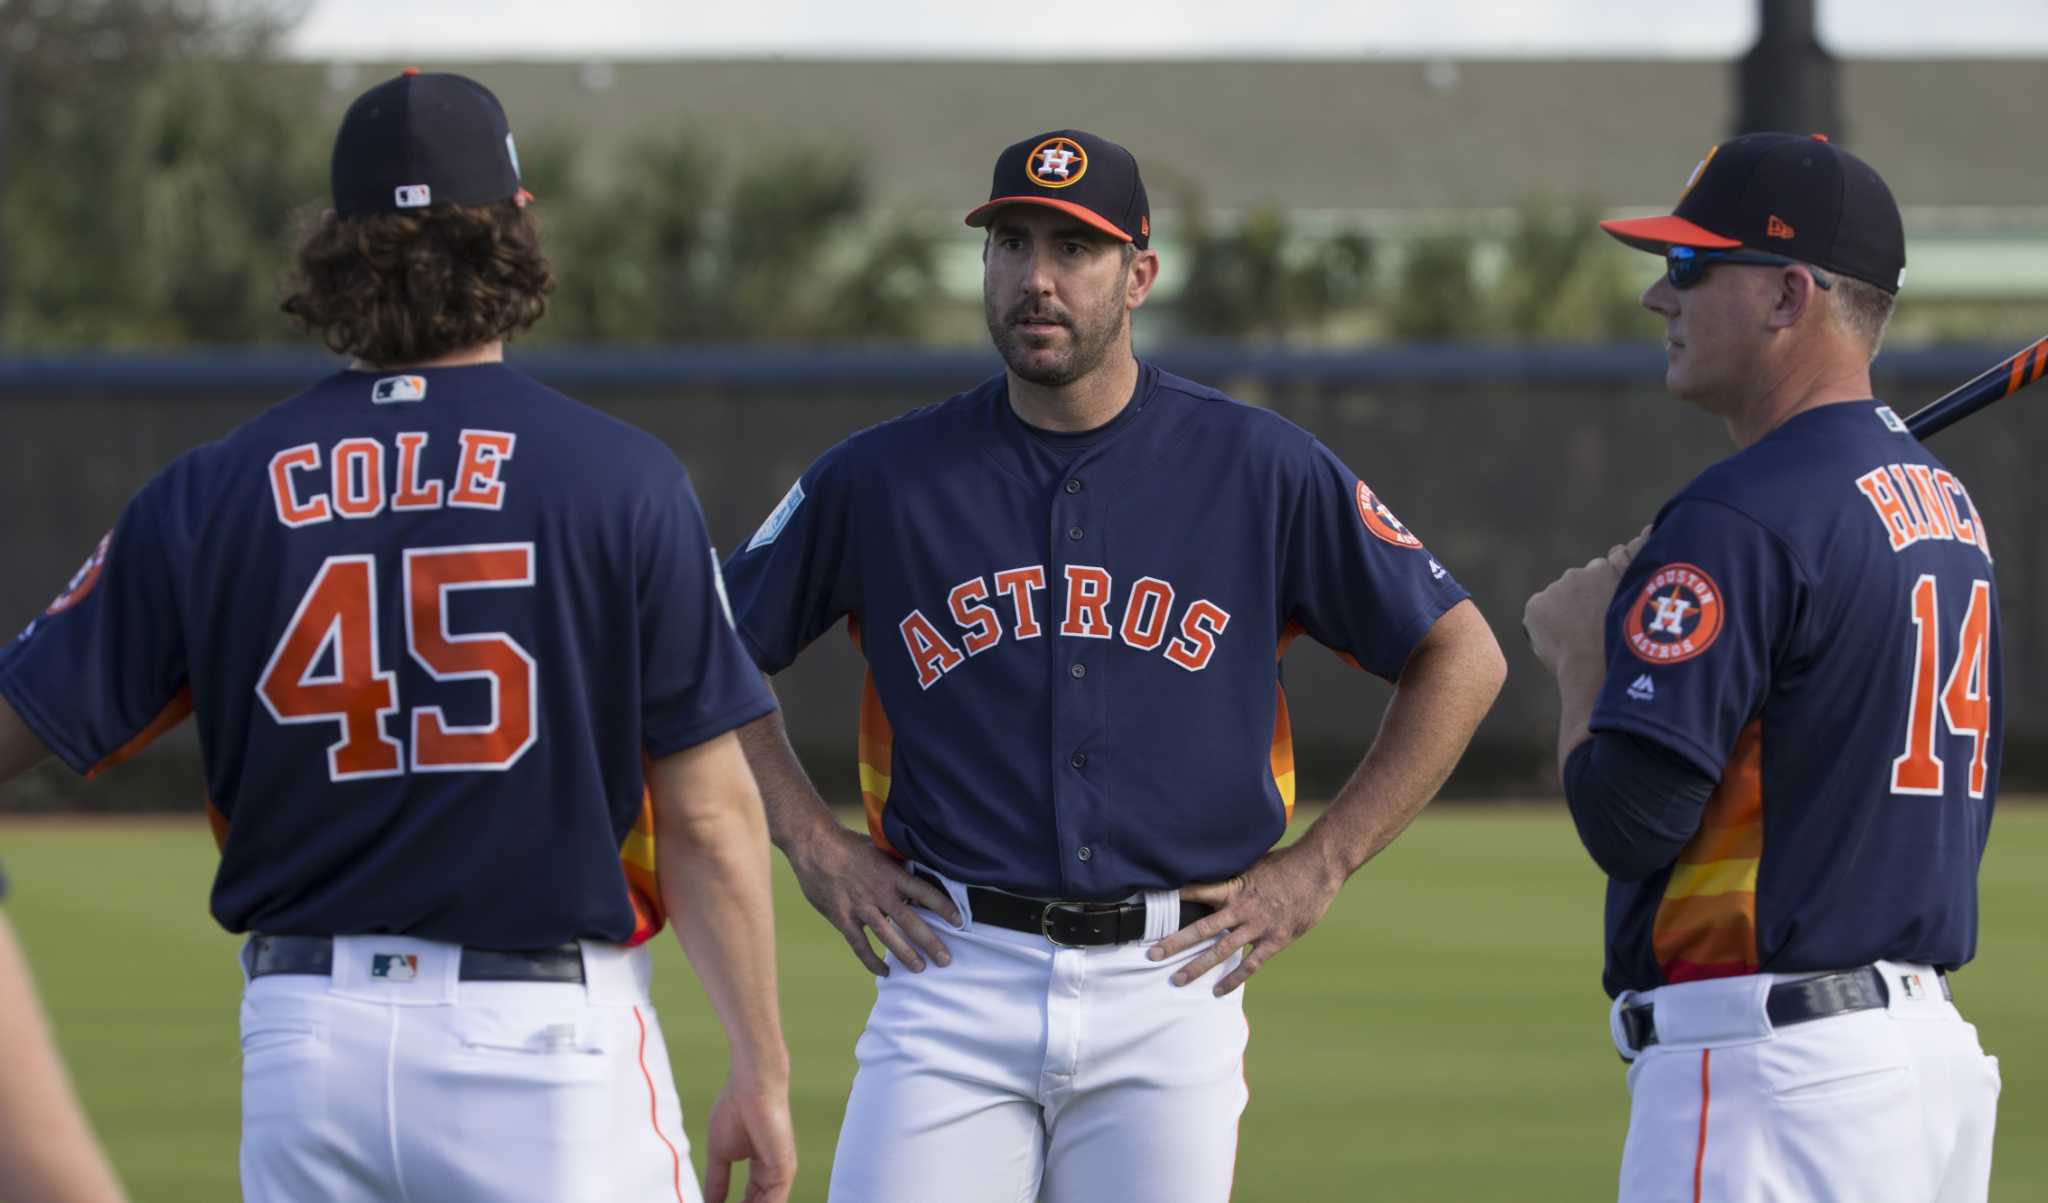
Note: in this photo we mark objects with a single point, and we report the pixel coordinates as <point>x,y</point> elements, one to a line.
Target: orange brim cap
<point>984,214</point>
<point>1659,234</point>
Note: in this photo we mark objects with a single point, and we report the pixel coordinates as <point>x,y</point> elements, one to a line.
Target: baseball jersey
<point>1814,624</point>
<point>1073,642</point>
<point>430,623</point>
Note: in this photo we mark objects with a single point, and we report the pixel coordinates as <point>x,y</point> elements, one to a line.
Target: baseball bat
<point>2009,376</point>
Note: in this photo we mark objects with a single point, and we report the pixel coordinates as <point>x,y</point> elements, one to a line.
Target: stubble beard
<point>1089,341</point>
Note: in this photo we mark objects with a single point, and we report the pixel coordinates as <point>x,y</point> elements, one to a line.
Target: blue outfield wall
<point>1511,462</point>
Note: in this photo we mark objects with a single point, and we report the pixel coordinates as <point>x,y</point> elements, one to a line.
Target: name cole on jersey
<point>1142,621</point>
<point>350,481</point>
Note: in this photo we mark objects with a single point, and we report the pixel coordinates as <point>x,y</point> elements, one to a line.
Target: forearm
<point>794,807</point>
<point>711,847</point>
<point>1447,686</point>
<point>47,1151</point>
<point>20,748</point>
<point>1578,687</point>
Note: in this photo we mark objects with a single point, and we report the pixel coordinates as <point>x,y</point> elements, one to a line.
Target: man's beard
<point>1087,343</point>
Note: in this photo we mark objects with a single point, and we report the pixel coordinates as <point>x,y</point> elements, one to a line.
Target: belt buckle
<point>1045,926</point>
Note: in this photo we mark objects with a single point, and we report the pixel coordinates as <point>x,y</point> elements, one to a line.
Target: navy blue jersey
<point>1073,642</point>
<point>430,624</point>
<point>1814,624</point>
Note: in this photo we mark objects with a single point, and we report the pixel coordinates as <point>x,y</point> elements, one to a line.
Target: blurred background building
<point>1384,231</point>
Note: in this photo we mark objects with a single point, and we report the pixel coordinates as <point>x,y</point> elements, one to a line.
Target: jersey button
<point>1078,759</point>
<point>1073,486</point>
<point>1078,671</point>
<point>1083,852</point>
<point>1074,532</point>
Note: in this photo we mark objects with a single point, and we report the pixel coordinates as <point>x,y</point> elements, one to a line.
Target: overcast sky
<point>604,29</point>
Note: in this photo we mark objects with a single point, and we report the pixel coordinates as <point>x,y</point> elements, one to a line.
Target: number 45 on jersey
<point>338,617</point>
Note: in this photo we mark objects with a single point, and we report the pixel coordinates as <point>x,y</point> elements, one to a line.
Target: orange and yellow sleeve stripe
<point>1706,923</point>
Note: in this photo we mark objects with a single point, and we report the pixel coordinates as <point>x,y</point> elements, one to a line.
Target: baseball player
<point>1073,585</point>
<point>1780,724</point>
<point>466,690</point>
<point>47,1149</point>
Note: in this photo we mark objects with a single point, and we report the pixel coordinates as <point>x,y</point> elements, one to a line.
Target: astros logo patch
<point>1698,170</point>
<point>1677,616</point>
<point>84,579</point>
<point>1056,162</point>
<point>1381,521</point>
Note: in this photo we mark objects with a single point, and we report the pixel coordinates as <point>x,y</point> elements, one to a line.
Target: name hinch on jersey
<point>1142,622</point>
<point>355,485</point>
<point>1916,501</point>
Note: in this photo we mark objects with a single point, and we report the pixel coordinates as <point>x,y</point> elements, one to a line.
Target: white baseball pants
<point>1024,1071</point>
<point>433,1090</point>
<point>1891,1105</point>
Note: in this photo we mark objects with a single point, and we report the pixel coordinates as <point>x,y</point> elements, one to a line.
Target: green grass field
<point>1441,1037</point>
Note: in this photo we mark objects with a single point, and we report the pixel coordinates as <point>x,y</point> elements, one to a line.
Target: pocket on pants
<point>275,1031</point>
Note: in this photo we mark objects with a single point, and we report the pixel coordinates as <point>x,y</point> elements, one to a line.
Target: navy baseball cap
<point>1799,196</point>
<point>1075,172</point>
<point>421,140</point>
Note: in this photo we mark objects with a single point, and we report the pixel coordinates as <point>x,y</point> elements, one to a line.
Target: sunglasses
<point>1686,266</point>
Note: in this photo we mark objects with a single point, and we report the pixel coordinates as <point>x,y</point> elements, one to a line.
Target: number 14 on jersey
<point>1963,701</point>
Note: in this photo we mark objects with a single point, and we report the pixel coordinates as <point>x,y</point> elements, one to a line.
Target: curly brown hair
<point>399,288</point>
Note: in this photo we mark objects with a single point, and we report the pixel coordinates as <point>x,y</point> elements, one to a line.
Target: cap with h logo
<point>1077,173</point>
<point>1794,195</point>
<point>421,140</point>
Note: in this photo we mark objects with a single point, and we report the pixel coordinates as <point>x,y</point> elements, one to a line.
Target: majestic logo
<point>1381,521</point>
<point>398,388</point>
<point>1698,170</point>
<point>394,966</point>
<point>1777,228</point>
<point>1677,616</point>
<point>82,581</point>
<point>1643,689</point>
<point>1056,163</point>
<point>779,518</point>
<point>413,196</point>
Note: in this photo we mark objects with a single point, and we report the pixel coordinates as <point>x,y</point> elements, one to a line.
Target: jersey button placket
<point>1079,704</point>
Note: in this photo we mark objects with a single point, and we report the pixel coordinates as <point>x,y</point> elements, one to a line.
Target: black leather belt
<point>1790,1002</point>
<point>266,955</point>
<point>1069,924</point>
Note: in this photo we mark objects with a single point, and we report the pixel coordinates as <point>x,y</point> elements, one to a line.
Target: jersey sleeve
<point>1700,620</point>
<point>103,668</point>
<point>1357,580</point>
<point>696,681</point>
<point>796,577</point>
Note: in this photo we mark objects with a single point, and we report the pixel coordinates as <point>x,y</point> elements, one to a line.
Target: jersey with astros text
<point>430,624</point>
<point>1814,624</point>
<point>1073,642</point>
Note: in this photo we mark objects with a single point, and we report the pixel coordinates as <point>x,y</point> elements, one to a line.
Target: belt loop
<point>1162,914</point>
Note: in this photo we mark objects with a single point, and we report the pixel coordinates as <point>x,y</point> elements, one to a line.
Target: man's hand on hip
<point>1264,909</point>
<point>859,889</point>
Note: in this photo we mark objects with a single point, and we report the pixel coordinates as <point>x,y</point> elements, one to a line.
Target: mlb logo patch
<point>394,966</point>
<point>1914,987</point>
<point>413,196</point>
<point>398,388</point>
<point>1892,421</point>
